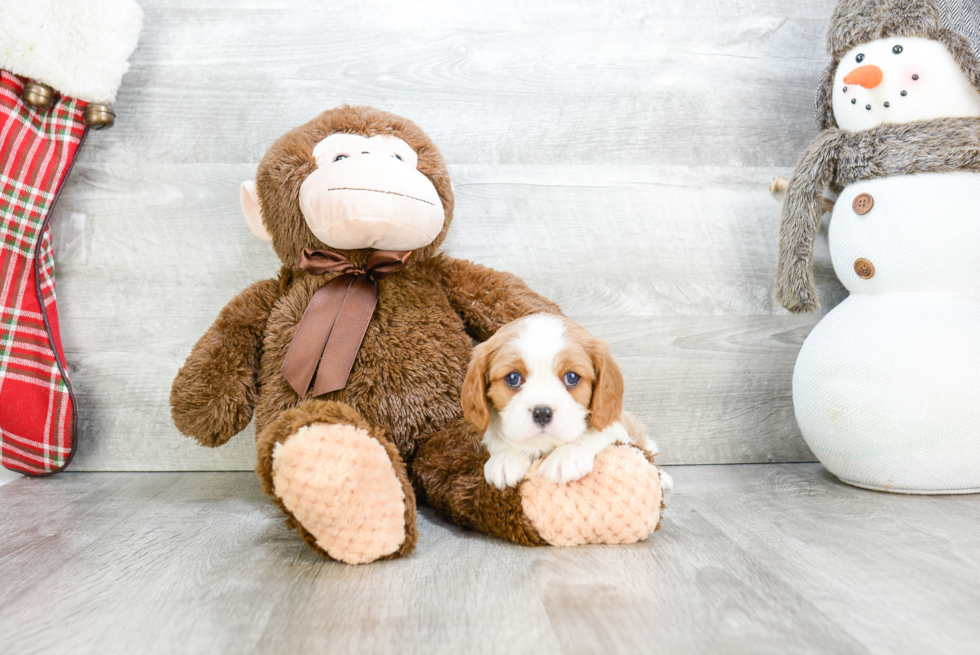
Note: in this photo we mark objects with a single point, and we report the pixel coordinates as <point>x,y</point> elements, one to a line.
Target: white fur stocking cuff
<point>78,47</point>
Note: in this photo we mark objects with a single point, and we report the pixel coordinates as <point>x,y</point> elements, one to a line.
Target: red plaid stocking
<point>37,407</point>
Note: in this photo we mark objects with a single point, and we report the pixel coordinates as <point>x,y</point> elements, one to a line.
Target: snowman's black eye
<point>513,380</point>
<point>399,157</point>
<point>915,77</point>
<point>897,50</point>
<point>860,58</point>
<point>339,157</point>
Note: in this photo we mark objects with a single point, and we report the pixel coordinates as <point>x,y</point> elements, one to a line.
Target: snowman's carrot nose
<point>867,76</point>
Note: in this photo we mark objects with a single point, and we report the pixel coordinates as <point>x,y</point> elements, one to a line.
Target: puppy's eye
<point>571,378</point>
<point>513,380</point>
<point>860,58</point>
<point>399,157</point>
<point>339,157</point>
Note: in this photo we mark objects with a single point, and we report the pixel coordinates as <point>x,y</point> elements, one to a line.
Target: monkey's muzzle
<point>371,201</point>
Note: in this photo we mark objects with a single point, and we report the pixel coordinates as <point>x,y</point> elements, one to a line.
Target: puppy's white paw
<point>504,470</point>
<point>666,482</point>
<point>567,463</point>
<point>617,433</point>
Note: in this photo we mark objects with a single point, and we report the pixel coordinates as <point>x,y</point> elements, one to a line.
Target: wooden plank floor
<point>751,559</point>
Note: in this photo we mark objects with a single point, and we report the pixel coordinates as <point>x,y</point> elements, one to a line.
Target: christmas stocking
<point>61,62</point>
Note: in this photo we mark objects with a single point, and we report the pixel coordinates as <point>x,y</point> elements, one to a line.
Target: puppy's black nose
<point>541,415</point>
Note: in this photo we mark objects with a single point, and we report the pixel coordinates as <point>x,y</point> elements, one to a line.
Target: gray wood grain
<point>751,559</point>
<point>614,154</point>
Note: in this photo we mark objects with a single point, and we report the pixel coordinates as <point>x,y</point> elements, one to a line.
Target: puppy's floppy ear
<point>476,410</point>
<point>607,393</point>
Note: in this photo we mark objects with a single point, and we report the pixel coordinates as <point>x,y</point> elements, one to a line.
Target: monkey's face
<point>352,180</point>
<point>368,193</point>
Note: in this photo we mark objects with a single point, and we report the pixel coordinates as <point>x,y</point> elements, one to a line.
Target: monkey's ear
<point>250,207</point>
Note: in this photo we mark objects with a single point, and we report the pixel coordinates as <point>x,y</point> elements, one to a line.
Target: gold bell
<point>37,95</point>
<point>98,116</point>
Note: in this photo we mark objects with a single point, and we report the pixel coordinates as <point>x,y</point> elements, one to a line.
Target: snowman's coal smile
<point>887,103</point>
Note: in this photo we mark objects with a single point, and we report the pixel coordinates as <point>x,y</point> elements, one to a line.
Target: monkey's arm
<point>487,299</point>
<point>213,395</point>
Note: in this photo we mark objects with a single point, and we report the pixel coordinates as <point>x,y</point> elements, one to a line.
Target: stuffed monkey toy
<point>353,358</point>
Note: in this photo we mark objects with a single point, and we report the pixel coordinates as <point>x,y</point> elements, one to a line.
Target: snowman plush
<point>887,386</point>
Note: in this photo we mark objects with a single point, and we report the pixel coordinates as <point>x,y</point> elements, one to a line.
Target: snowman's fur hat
<point>860,21</point>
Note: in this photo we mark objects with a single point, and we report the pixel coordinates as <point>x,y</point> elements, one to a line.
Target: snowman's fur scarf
<point>860,21</point>
<point>838,158</point>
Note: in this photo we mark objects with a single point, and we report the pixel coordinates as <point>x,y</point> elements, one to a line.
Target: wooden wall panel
<point>614,154</point>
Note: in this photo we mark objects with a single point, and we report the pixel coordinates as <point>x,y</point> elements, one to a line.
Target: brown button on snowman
<point>885,388</point>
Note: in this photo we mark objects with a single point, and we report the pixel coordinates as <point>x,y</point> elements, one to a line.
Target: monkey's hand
<point>213,395</point>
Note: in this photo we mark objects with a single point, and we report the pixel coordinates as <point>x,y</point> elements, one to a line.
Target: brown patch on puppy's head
<point>477,385</point>
<point>601,384</point>
<point>577,358</point>
<point>290,161</point>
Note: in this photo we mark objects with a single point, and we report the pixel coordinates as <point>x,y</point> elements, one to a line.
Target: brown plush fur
<point>450,471</point>
<point>215,392</point>
<point>837,158</point>
<point>404,388</point>
<point>859,21</point>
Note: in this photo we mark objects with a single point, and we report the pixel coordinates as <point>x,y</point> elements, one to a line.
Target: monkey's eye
<point>897,50</point>
<point>860,58</point>
<point>398,157</point>
<point>339,157</point>
<point>571,378</point>
<point>513,380</point>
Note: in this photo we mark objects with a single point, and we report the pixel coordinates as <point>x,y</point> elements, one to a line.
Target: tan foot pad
<point>340,485</point>
<point>617,503</point>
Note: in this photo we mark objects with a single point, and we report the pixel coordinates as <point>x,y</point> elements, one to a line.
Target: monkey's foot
<point>619,502</point>
<point>341,486</point>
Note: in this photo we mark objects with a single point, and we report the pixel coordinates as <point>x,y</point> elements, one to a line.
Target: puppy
<point>543,385</point>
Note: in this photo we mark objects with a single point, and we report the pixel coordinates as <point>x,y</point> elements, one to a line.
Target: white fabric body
<point>79,48</point>
<point>887,387</point>
<point>942,89</point>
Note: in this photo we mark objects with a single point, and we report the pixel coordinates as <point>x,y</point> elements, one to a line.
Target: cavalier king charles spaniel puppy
<point>543,386</point>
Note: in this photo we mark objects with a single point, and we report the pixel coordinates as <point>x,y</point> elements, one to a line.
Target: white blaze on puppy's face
<point>539,346</point>
<point>368,193</point>
<point>898,80</point>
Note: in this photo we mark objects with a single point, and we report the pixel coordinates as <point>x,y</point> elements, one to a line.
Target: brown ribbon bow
<point>333,326</point>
